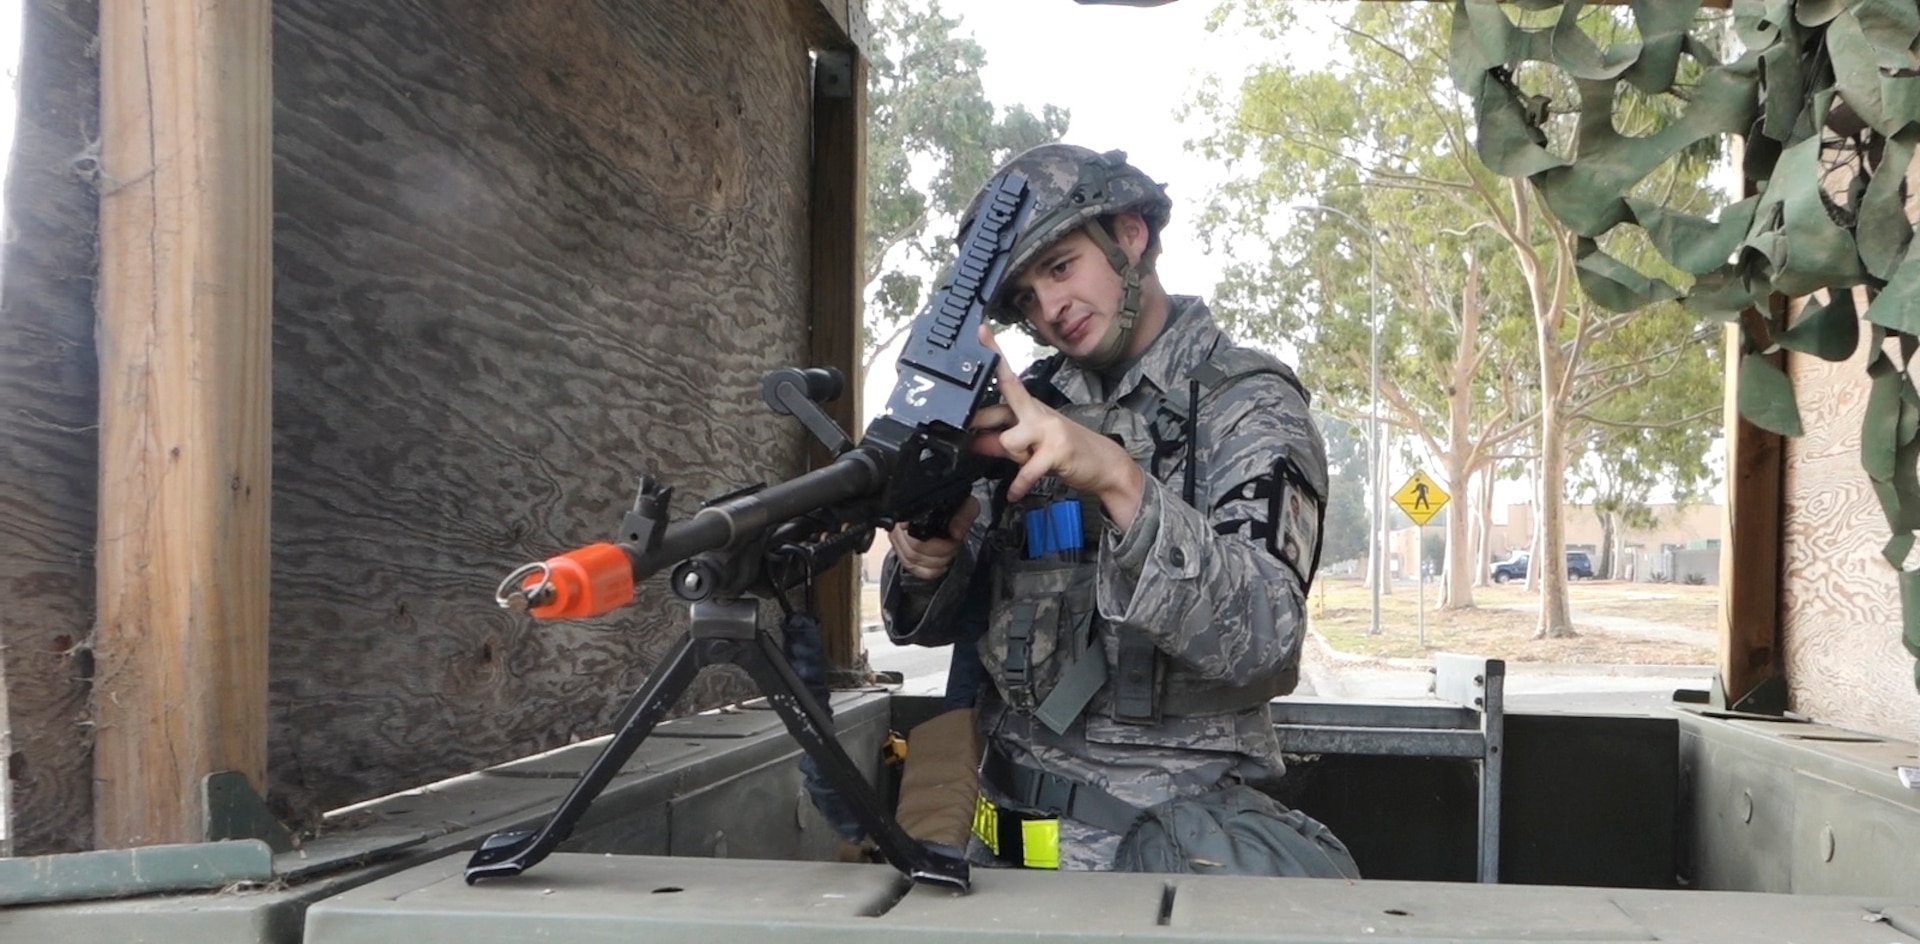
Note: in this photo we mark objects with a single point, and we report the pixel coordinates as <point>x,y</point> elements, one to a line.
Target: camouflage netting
<point>1826,97</point>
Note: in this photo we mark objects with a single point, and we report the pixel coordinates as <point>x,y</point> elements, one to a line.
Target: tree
<point>1451,337</point>
<point>1624,452</point>
<point>932,138</point>
<point>1343,535</point>
<point>1488,343</point>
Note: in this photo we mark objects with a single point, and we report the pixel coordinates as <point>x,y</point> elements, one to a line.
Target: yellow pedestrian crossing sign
<point>1421,498</point>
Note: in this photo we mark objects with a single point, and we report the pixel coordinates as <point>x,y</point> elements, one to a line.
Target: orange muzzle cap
<point>586,582</point>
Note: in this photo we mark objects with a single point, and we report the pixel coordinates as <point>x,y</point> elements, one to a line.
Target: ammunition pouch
<point>1042,622</point>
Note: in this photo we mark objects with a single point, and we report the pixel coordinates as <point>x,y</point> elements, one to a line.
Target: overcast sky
<point>1125,73</point>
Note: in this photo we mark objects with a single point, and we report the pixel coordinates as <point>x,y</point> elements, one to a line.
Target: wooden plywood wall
<point>523,253</point>
<point>49,433</point>
<point>1840,606</point>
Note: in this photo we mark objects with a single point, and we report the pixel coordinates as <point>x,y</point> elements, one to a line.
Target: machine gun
<point>912,466</point>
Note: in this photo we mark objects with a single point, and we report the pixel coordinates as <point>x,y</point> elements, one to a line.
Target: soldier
<point>1149,563</point>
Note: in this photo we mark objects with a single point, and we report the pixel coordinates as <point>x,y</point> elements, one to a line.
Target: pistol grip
<point>935,521</point>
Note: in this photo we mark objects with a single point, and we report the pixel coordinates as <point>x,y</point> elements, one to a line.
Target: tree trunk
<point>1534,540</point>
<point>1460,454</point>
<point>1385,497</point>
<point>1549,564</point>
<point>1482,523</point>
<point>1547,567</point>
<point>1609,541</point>
<point>1461,568</point>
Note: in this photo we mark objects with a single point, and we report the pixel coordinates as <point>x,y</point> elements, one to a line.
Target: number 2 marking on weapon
<point>917,389</point>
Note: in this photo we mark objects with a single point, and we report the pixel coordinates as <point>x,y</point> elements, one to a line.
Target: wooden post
<point>185,295</point>
<point>1749,649</point>
<point>837,234</point>
<point>1749,637</point>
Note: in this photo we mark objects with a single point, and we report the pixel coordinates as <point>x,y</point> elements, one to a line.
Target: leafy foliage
<point>1824,95</point>
<point>932,138</point>
<point>1344,533</point>
<point>1358,205</point>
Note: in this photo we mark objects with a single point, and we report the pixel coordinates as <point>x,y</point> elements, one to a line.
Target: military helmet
<point>1073,187</point>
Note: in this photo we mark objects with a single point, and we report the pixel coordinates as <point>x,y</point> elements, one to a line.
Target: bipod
<point>723,632</point>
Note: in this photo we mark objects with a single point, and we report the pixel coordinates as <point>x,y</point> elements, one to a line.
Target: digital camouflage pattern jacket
<point>1217,586</point>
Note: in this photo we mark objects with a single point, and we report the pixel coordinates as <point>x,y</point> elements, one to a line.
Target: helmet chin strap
<point>1113,346</point>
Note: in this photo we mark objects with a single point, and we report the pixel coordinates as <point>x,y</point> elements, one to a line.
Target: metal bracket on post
<point>1768,698</point>
<point>833,73</point>
<point>230,809</point>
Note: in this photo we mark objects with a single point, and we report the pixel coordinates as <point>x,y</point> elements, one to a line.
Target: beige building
<point>1683,544</point>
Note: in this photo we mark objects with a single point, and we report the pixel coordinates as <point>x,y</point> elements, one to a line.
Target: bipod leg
<point>515,851</point>
<point>763,659</point>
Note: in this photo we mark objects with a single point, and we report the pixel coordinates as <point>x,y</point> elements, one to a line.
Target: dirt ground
<point>1607,615</point>
<point>1618,623</point>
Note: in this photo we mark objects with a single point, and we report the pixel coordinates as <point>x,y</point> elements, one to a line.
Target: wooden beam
<point>1750,552</point>
<point>837,234</point>
<point>185,295</point>
<point>1749,630</point>
<point>836,24</point>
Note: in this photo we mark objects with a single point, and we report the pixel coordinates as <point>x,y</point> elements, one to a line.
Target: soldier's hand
<point>1044,443</point>
<point>932,558</point>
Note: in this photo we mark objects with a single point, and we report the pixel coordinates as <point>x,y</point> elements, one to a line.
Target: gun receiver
<point>912,465</point>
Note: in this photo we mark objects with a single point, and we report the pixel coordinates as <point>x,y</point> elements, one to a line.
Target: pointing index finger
<point>1012,392</point>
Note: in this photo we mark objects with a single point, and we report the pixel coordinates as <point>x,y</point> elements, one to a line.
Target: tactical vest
<point>1047,649</point>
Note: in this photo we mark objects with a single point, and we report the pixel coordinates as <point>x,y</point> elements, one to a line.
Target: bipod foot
<point>511,852</point>
<point>939,867</point>
<point>501,854</point>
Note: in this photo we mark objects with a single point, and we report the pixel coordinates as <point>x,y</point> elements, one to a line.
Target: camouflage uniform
<point>1217,585</point>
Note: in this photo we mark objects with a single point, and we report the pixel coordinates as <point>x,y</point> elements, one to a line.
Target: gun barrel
<point>600,578</point>
<point>855,473</point>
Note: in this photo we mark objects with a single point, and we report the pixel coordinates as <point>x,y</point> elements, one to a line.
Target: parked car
<point>1579,567</point>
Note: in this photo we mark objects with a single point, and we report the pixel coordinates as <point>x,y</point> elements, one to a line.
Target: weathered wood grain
<point>523,253</point>
<point>1840,603</point>
<point>1749,617</point>
<point>48,434</point>
<point>185,318</point>
<point>838,208</point>
<point>838,24</point>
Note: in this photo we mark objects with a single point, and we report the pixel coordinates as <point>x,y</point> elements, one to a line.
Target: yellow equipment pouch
<point>1010,835</point>
<point>1040,843</point>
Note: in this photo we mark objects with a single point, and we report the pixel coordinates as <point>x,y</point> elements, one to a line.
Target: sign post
<point>1421,498</point>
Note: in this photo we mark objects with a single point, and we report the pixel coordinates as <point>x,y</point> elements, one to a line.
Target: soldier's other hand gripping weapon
<point>911,466</point>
